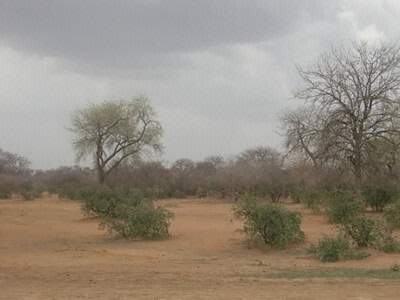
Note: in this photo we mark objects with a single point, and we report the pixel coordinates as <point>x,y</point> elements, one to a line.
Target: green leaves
<point>343,205</point>
<point>127,213</point>
<point>271,224</point>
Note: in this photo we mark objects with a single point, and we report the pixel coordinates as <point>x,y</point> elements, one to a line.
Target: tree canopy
<point>114,131</point>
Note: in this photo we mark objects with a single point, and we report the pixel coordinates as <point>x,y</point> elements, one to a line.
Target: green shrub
<point>331,249</point>
<point>72,191</point>
<point>313,198</point>
<point>103,201</point>
<point>270,224</point>
<point>363,231</point>
<point>389,244</point>
<point>141,221</point>
<point>366,232</point>
<point>392,215</point>
<point>5,193</point>
<point>378,196</point>
<point>128,213</point>
<point>28,192</point>
<point>354,233</point>
<point>343,205</point>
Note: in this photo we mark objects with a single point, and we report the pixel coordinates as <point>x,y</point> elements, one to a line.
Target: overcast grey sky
<point>218,72</point>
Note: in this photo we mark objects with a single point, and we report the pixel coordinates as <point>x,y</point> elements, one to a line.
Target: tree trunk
<point>100,175</point>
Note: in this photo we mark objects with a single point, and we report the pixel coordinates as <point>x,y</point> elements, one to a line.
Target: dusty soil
<point>48,250</point>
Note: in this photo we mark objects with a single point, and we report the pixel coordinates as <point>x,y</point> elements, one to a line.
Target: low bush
<point>103,201</point>
<point>332,249</point>
<point>128,213</point>
<point>313,198</point>
<point>342,205</point>
<point>371,233</point>
<point>363,231</point>
<point>268,224</point>
<point>72,191</point>
<point>140,221</point>
<point>378,196</point>
<point>356,233</point>
<point>5,193</point>
<point>392,215</point>
<point>389,244</point>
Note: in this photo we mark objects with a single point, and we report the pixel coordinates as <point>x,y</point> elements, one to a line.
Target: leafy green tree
<point>114,131</point>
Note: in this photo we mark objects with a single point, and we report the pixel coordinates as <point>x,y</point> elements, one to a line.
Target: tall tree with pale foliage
<point>114,131</point>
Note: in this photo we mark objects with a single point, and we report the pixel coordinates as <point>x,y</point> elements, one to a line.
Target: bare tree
<point>183,165</point>
<point>216,160</point>
<point>11,163</point>
<point>351,105</point>
<point>115,131</point>
<point>260,156</point>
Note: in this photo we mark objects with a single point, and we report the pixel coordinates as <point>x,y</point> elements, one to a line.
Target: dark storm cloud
<point>144,34</point>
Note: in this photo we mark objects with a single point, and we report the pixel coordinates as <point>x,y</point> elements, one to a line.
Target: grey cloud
<point>218,71</point>
<point>123,35</point>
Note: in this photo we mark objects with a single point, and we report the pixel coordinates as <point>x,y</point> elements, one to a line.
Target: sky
<point>218,72</point>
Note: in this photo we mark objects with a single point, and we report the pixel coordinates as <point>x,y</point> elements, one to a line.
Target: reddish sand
<point>48,250</point>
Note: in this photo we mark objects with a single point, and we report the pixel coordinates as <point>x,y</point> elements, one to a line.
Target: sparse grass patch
<point>384,274</point>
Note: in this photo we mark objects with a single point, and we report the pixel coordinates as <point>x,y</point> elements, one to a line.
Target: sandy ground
<point>48,250</point>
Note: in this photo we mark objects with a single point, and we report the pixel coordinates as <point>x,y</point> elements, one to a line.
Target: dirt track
<point>49,251</point>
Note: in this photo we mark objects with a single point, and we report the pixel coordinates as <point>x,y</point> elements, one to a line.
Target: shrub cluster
<point>331,249</point>
<point>5,193</point>
<point>343,204</point>
<point>20,186</point>
<point>126,212</point>
<point>140,221</point>
<point>355,234</point>
<point>392,215</point>
<point>269,224</point>
<point>313,198</point>
<point>378,196</point>
<point>363,231</point>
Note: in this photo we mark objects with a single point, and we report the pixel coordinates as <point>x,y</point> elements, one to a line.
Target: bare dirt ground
<point>48,250</point>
